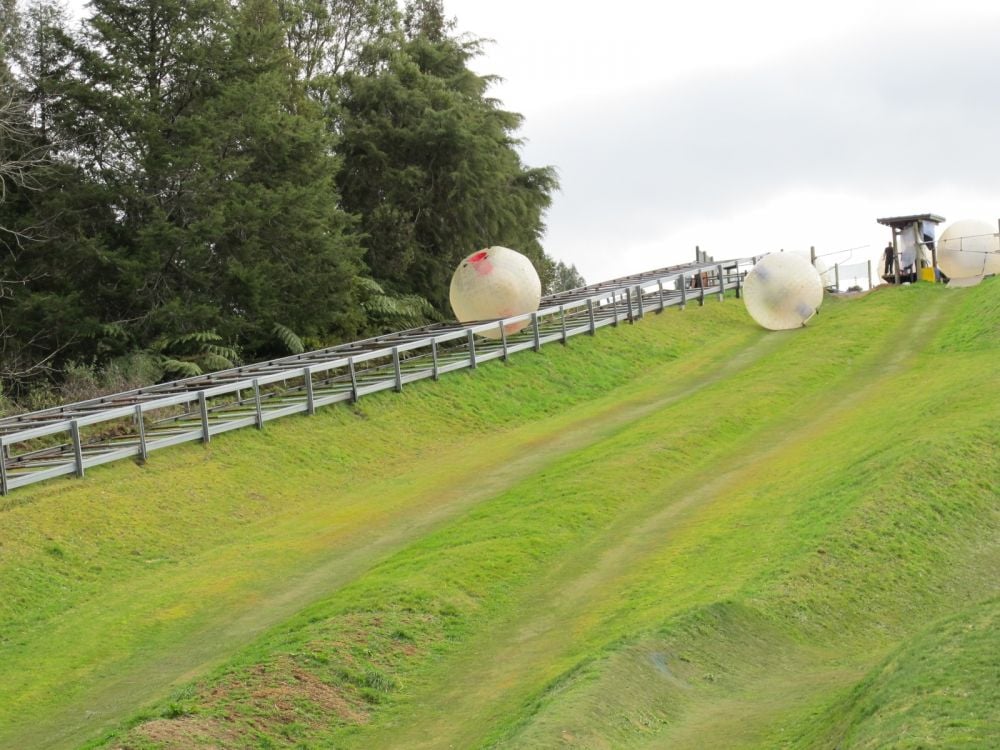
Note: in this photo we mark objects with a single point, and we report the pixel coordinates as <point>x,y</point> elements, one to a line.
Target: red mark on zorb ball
<point>481,264</point>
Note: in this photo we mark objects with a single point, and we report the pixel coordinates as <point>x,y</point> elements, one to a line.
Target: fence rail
<point>70,439</point>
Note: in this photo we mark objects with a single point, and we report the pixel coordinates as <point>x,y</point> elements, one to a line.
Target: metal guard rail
<point>198,408</point>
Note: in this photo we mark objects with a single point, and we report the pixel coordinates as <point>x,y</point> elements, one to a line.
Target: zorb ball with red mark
<point>782,291</point>
<point>969,248</point>
<point>495,283</point>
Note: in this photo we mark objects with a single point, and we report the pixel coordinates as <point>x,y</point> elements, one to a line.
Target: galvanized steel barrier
<point>73,438</point>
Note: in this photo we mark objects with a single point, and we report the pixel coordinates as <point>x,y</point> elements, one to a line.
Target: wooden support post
<point>535,333</point>
<point>836,277</point>
<point>739,283</point>
<point>256,401</point>
<point>895,252</point>
<point>354,380</point>
<point>638,299</point>
<point>628,301</point>
<point>74,430</point>
<point>684,291</point>
<point>614,306</point>
<point>701,286</point>
<point>434,359</point>
<point>562,320</point>
<point>663,304</point>
<point>812,255</point>
<point>590,314</point>
<point>869,273</point>
<point>722,282</point>
<point>310,395</point>
<point>472,349</point>
<point>397,369</point>
<point>206,435</point>
<point>141,426</point>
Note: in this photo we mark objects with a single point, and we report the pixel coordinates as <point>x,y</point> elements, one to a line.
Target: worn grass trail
<point>686,533</point>
<point>169,615</point>
<point>724,584</point>
<point>558,620</point>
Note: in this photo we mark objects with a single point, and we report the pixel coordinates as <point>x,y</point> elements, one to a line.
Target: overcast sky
<point>745,127</point>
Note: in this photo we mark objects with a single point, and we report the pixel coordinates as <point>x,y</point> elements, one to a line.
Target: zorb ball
<point>969,248</point>
<point>782,291</point>
<point>495,283</point>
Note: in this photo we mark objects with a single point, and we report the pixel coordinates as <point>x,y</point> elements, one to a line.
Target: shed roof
<point>902,221</point>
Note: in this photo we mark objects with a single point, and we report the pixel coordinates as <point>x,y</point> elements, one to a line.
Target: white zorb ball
<point>969,248</point>
<point>782,291</point>
<point>495,283</point>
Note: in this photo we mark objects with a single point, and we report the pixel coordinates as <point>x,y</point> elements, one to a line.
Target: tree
<point>190,121</point>
<point>564,278</point>
<point>327,36</point>
<point>431,164</point>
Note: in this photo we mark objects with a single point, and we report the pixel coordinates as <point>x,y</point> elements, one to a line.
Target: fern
<point>179,368</point>
<point>386,311</point>
<point>289,338</point>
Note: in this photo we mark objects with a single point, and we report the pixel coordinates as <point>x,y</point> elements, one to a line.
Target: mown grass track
<point>597,576</point>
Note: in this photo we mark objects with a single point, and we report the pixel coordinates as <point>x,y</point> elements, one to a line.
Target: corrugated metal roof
<point>902,221</point>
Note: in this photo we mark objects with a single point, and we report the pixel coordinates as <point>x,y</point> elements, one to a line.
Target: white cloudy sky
<point>745,127</point>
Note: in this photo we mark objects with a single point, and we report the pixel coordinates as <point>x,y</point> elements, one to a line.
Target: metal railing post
<point>3,468</point>
<point>684,291</point>
<point>562,316</point>
<point>310,394</point>
<point>614,306</point>
<point>722,281</point>
<point>256,401</point>
<point>397,369</point>
<point>434,358</point>
<point>534,327</point>
<point>836,277</point>
<point>206,435</point>
<point>638,299</point>
<point>590,314</point>
<point>472,350</point>
<point>354,380</point>
<point>74,430</point>
<point>141,426</point>
<point>628,301</point>
<point>503,340</point>
<point>663,304</point>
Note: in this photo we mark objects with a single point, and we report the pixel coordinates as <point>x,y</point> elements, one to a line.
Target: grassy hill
<point>685,533</point>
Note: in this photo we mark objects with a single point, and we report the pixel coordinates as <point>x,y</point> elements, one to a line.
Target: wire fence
<point>70,439</point>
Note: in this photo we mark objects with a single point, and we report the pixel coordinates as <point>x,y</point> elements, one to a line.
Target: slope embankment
<point>689,533</point>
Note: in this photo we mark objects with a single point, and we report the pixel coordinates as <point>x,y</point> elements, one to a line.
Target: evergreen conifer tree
<point>431,163</point>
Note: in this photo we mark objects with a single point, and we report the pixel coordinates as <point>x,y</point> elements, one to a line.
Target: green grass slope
<point>686,533</point>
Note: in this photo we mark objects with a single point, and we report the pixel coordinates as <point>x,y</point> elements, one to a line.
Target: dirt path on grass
<point>498,673</point>
<point>118,693</point>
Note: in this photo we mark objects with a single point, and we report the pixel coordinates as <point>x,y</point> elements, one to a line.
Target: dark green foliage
<point>221,175</point>
<point>277,174</point>
<point>431,164</point>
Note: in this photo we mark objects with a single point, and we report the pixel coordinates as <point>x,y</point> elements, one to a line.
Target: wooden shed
<point>917,231</point>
